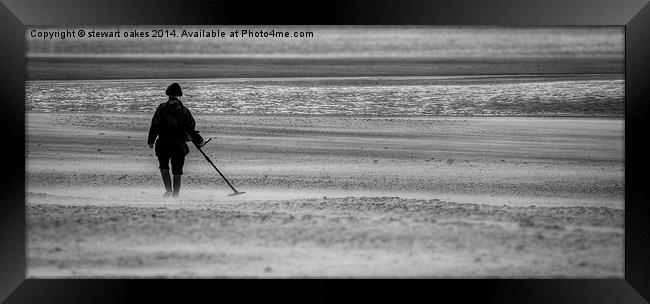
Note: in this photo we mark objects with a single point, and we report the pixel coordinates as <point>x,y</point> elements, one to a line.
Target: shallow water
<point>483,95</point>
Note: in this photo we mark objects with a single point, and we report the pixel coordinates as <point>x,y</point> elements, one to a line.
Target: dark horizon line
<point>300,57</point>
<point>522,74</point>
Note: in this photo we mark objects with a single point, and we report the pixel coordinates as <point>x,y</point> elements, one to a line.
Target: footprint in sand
<point>450,161</point>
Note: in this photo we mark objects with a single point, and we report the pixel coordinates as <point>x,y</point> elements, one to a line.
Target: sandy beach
<point>329,196</point>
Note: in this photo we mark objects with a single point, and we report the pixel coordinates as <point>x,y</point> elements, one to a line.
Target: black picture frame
<point>633,14</point>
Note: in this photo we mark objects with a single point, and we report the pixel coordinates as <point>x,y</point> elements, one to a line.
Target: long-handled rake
<point>235,192</point>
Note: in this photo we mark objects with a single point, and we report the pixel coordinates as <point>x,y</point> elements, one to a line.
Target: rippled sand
<point>329,196</point>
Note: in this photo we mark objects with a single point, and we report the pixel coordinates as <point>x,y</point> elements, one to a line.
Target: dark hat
<point>174,90</point>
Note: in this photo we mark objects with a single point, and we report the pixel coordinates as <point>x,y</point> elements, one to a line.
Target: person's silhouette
<point>172,125</point>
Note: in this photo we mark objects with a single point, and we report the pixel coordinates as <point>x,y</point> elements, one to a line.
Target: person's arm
<point>153,129</point>
<point>190,128</point>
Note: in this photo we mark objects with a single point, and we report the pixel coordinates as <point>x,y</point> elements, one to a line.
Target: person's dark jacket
<point>173,124</point>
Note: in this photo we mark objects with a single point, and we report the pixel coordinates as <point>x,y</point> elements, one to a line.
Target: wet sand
<point>329,196</point>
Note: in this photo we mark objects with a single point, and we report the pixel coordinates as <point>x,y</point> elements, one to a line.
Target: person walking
<point>172,126</point>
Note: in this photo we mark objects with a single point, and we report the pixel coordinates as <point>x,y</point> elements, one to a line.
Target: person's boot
<point>177,185</point>
<point>167,181</point>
